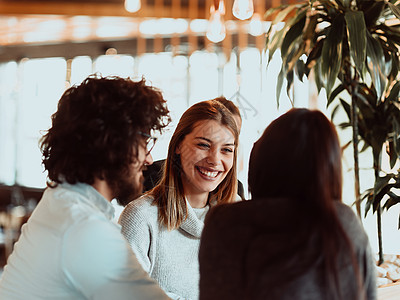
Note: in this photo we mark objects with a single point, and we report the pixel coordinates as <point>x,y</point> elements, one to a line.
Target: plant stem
<point>379,225</point>
<point>355,154</point>
<point>377,167</point>
<point>352,87</point>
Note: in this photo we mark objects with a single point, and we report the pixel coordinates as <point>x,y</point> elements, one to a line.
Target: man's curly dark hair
<point>97,125</point>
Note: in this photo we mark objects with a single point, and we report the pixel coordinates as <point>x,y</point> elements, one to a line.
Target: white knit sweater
<point>170,257</point>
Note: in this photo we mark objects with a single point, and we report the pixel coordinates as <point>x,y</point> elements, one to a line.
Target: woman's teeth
<point>208,173</point>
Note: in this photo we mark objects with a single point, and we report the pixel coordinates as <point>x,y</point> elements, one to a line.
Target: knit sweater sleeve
<point>138,229</point>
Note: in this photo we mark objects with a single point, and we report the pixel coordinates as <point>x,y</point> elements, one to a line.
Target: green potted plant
<point>350,47</point>
<point>379,126</point>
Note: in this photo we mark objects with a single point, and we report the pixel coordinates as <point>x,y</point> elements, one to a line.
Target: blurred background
<point>193,50</point>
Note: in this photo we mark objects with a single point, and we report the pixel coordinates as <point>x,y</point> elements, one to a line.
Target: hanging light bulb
<point>243,9</point>
<point>132,5</point>
<point>216,26</point>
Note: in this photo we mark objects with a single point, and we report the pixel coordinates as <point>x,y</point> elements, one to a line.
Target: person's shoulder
<point>240,190</point>
<point>143,206</point>
<point>351,223</point>
<point>144,202</point>
<point>345,213</point>
<point>158,163</point>
<point>225,214</point>
<point>255,213</point>
<point>238,208</point>
<point>152,174</point>
<point>155,167</point>
<point>69,204</point>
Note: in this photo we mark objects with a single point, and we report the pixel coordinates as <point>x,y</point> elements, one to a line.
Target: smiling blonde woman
<point>164,226</point>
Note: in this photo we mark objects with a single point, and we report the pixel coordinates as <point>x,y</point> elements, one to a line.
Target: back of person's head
<point>96,126</point>
<point>169,193</point>
<point>298,157</point>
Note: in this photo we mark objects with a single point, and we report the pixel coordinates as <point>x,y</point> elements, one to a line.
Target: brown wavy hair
<point>169,194</point>
<point>95,127</point>
<point>230,106</point>
<point>299,157</point>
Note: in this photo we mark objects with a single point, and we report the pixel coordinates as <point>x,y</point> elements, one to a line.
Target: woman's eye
<point>203,145</point>
<point>227,150</point>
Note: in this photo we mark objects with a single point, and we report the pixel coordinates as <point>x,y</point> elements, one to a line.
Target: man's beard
<point>128,190</point>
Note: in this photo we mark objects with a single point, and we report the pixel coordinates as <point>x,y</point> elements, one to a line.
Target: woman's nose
<point>213,157</point>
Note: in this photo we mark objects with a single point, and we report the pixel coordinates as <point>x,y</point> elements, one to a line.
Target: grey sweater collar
<point>193,225</point>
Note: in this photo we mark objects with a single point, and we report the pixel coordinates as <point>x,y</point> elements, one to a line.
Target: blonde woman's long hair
<point>168,193</point>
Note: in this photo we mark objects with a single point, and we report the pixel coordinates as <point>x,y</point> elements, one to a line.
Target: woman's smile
<point>208,174</point>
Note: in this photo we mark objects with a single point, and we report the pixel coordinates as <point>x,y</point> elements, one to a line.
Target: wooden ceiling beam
<point>89,9</point>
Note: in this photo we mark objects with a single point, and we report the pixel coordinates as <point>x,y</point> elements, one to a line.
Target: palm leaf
<point>273,10</point>
<point>376,64</point>
<point>293,33</point>
<point>334,112</point>
<point>393,200</point>
<point>357,36</point>
<point>364,147</point>
<point>391,151</point>
<point>394,92</point>
<point>395,9</point>
<point>297,53</point>
<point>289,80</point>
<point>347,108</point>
<point>315,53</point>
<point>283,12</point>
<point>301,70</point>
<point>332,53</point>
<point>382,183</point>
<point>274,43</point>
<point>372,11</point>
<point>395,67</point>
<point>279,84</point>
<point>337,91</point>
<point>317,77</point>
<point>369,195</point>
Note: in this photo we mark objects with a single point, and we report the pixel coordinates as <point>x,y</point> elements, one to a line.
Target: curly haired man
<point>95,151</point>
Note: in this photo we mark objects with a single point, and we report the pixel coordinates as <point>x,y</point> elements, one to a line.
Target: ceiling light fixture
<point>243,9</point>
<point>132,5</point>
<point>216,30</point>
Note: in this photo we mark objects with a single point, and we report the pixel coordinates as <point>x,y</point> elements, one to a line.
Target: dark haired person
<point>295,239</point>
<point>164,226</point>
<point>153,173</point>
<point>94,151</point>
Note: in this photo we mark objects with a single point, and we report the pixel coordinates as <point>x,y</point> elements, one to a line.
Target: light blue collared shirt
<point>71,249</point>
